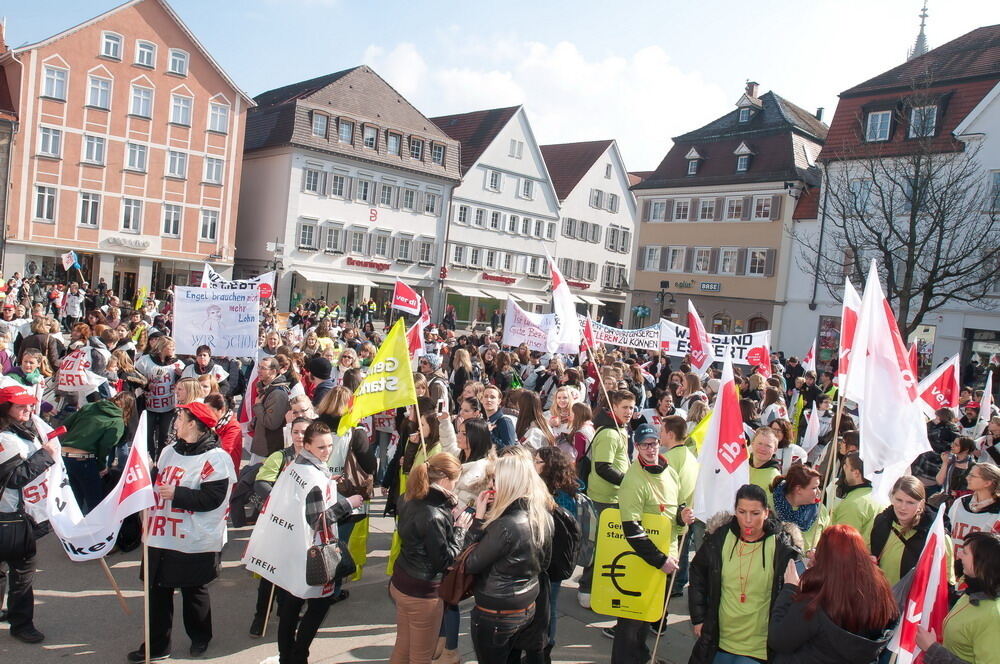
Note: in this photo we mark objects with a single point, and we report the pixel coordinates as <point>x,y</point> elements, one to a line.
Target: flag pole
<point>834,442</point>
<point>267,614</point>
<point>114,584</point>
<point>145,584</point>
<point>663,619</point>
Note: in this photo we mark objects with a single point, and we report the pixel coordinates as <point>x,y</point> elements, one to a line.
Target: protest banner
<point>625,585</point>
<point>74,373</point>
<point>534,331</point>
<point>740,348</point>
<point>224,320</point>
<point>262,283</point>
<point>645,338</point>
<point>405,299</point>
<point>389,383</point>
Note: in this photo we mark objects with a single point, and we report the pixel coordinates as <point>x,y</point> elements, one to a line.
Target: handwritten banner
<point>224,320</point>
<point>532,330</point>
<point>740,348</point>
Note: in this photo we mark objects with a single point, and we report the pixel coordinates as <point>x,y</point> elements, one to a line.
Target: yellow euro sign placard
<point>626,586</point>
<point>389,383</point>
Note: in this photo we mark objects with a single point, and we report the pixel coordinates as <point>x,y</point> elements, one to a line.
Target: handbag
<point>322,559</point>
<point>457,583</point>
<point>15,540</point>
<point>355,481</point>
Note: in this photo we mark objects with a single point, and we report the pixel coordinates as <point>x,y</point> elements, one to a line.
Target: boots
<point>448,657</point>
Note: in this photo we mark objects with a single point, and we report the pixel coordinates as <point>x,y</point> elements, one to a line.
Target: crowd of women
<point>496,478</point>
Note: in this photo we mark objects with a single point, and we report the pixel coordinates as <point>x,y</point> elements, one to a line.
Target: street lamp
<point>666,305</point>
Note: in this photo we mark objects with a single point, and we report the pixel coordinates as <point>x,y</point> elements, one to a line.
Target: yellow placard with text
<point>626,586</point>
<point>389,383</point>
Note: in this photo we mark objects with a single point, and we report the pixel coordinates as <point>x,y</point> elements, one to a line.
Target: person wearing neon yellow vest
<point>763,466</point>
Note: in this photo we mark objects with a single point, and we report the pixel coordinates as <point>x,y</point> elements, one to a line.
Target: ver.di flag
<point>701,356</point>
<point>941,388</point>
<point>848,328</point>
<point>566,329</point>
<point>389,383</point>
<point>405,299</point>
<point>809,361</point>
<point>723,462</point>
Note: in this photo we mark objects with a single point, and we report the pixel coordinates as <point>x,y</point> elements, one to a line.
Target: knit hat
<point>320,367</point>
<point>434,360</point>
<point>201,412</point>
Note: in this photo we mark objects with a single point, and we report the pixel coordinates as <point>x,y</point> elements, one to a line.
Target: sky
<point>637,72</point>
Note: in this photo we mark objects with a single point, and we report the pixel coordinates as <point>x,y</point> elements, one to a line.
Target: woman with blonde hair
<point>208,385</point>
<point>695,414</point>
<point>310,345</point>
<point>978,511</point>
<point>532,428</point>
<point>581,430</point>
<point>560,416</point>
<point>366,352</point>
<point>473,389</point>
<point>513,529</point>
<point>461,372</point>
<point>188,390</point>
<point>348,360</point>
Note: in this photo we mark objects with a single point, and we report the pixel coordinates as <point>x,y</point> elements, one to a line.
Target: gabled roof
<point>170,12</point>
<point>635,177</point>
<point>807,207</point>
<point>300,89</point>
<point>475,130</point>
<point>776,114</point>
<point>974,54</point>
<point>569,162</point>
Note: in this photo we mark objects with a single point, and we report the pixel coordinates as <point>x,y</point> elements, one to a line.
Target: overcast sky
<point>638,72</point>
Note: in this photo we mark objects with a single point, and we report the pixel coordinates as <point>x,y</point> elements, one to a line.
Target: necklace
<point>746,552</point>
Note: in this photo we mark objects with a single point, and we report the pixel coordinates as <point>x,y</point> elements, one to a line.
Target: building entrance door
<point>123,285</point>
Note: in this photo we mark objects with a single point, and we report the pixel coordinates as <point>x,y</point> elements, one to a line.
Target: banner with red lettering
<point>74,373</point>
<point>741,348</point>
<point>533,330</point>
<point>405,298</point>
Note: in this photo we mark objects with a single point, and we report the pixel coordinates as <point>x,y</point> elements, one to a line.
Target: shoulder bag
<point>355,481</point>
<point>457,583</point>
<point>322,559</point>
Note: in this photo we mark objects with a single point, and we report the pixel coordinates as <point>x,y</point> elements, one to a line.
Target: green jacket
<point>610,445</point>
<point>95,428</point>
<point>858,508</point>
<point>643,492</point>
<point>685,464</point>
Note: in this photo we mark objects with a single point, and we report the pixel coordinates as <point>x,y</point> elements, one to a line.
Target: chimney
<point>752,89</point>
<point>819,113</point>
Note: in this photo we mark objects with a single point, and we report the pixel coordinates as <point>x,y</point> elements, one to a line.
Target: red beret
<point>201,412</point>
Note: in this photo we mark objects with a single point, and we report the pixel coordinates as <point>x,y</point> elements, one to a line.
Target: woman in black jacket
<point>430,539</point>
<point>842,611</point>
<point>735,578</point>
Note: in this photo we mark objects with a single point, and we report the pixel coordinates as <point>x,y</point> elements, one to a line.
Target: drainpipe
<point>819,246</point>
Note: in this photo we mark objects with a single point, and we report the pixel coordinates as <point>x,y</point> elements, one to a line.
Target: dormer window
<point>693,157</point>
<point>744,115</point>
<point>923,121</point>
<point>692,166</point>
<point>742,163</point>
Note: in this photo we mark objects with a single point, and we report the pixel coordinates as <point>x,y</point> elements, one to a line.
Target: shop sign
<point>496,277</point>
<point>128,242</point>
<point>578,284</point>
<point>683,284</point>
<point>372,265</point>
<point>713,286</point>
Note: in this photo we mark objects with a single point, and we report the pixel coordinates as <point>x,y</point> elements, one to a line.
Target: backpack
<point>583,463</point>
<point>566,537</point>
<point>586,517</point>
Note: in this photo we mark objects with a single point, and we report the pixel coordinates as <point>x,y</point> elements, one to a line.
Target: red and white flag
<point>565,329</point>
<point>415,335</point>
<point>927,602</point>
<point>587,336</point>
<point>985,405</point>
<point>698,343</point>
<point>809,361</point>
<point>941,388</point>
<point>724,464</point>
<point>405,298</point>
<point>914,358</point>
<point>811,437</point>
<point>848,327</point>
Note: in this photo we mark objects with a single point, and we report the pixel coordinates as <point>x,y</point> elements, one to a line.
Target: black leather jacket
<point>430,540</point>
<point>506,562</point>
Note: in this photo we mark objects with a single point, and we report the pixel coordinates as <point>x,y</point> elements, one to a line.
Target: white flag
<point>566,328</point>
<point>723,462</point>
<point>809,361</point>
<point>811,437</point>
<point>985,405</point>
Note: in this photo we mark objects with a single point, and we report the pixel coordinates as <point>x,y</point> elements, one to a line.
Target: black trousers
<point>493,634</point>
<point>157,432</point>
<point>197,612</point>
<point>263,596</point>
<point>296,634</point>
<point>20,595</point>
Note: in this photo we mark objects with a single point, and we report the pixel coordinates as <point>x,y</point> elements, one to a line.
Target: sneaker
<point>608,632</point>
<point>257,627</point>
<point>273,659</point>
<point>198,649</point>
<point>139,656</point>
<point>658,628</point>
<point>583,599</point>
<point>28,635</point>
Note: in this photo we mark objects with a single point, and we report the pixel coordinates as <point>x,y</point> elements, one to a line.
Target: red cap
<point>201,412</point>
<point>17,394</point>
<point>8,305</point>
<point>971,404</point>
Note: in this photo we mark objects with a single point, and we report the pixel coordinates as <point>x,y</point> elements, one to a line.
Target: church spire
<point>920,46</point>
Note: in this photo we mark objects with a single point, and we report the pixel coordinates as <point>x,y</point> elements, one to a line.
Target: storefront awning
<point>334,278</point>
<point>533,299</point>
<point>497,294</point>
<point>590,300</point>
<point>467,292</point>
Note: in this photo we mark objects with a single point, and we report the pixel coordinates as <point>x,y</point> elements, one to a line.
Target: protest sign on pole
<point>224,320</point>
<point>744,348</point>
<point>536,331</point>
<point>405,299</point>
<point>262,283</point>
<point>644,338</point>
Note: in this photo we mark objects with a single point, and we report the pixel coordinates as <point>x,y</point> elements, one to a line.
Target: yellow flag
<point>697,434</point>
<point>389,383</point>
<point>141,297</point>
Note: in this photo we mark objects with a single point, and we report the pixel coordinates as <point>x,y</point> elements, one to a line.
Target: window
<point>675,259</point>
<point>431,203</point>
<point>381,246</point>
<point>727,260</point>
<point>131,215</point>
<point>707,211</point>
<point>365,192</point>
<point>136,157</point>
<point>491,259</point>
<point>180,110</point>
<point>516,148</point>
<point>437,154</point>
<point>209,225</point>
<point>172,220</point>
<point>51,142</point>
<point>55,83</point>
<point>474,254</point>
<point>357,242</point>
<point>923,120</point>
<point>744,115</point>
<point>681,210</point>
<point>111,45</point>
<point>93,149</point>
<point>533,265</point>
<point>527,188</point>
<point>996,191</point>
<point>178,62</point>
<point>861,191</point>
<point>526,226</point>
<point>416,148</point>
<point>177,164</point>
<point>569,227</point>
<point>756,262</point>
<point>425,251</point>
<point>612,203</point>
<point>512,223</point>
<point>624,241</point>
<point>346,130</point>
<point>458,255</point>
<point>496,221</point>
<point>742,163</point>
<point>403,249</point>
<point>337,185</point>
<point>539,227</point>
<point>142,102</point>
<point>480,217</point>
<point>99,92</point>
<point>145,54</point>
<point>607,171</point>
<point>702,258</point>
<point>762,207</point>
<point>334,237</point>
<point>218,118</point>
<point>385,195</point>
<point>658,211</point>
<point>312,181</point>
<point>494,180</point>
<point>652,263</point>
<point>392,143</point>
<point>369,136</point>
<point>550,231</point>
<point>692,166</point>
<point>45,203</point>
<point>319,124</point>
<point>878,126</point>
<point>734,209</point>
<point>596,198</point>
<point>508,262</point>
<point>409,199</point>
<point>213,170</point>
<point>463,214</point>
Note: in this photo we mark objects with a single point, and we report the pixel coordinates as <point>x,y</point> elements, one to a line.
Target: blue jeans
<point>344,535</point>
<point>587,578</point>
<point>729,658</point>
<point>553,605</point>
<point>381,451</point>
<point>85,481</point>
<point>692,542</point>
<point>450,625</point>
<point>493,634</point>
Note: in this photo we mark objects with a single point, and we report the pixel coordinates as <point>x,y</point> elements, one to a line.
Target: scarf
<point>803,517</point>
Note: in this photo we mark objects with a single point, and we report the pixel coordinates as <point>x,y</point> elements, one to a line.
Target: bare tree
<point>929,218</point>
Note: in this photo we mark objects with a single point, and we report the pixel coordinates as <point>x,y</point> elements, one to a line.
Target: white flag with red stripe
<point>405,298</point>
<point>415,335</point>
<point>848,326</point>
<point>985,405</point>
<point>565,329</point>
<point>698,344</point>
<point>941,388</point>
<point>811,437</point>
<point>809,361</point>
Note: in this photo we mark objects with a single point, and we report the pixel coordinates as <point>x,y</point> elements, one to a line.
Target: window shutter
<point>741,261</point>
<point>713,261</point>
<point>349,189</point>
<point>693,210</point>
<point>369,238</point>
<point>396,192</point>
<point>720,208</point>
<point>688,259</point>
<point>645,210</point>
<point>668,210</point>
<point>642,258</point>
<point>769,263</point>
<point>391,247</point>
<point>595,233</point>
<point>747,205</point>
<point>377,193</point>
<point>324,179</point>
<point>664,258</point>
<point>304,172</point>
<point>418,204</point>
<point>565,227</point>
<point>581,230</point>
<point>776,206</point>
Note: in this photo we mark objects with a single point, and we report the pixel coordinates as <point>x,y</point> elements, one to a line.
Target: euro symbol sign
<point>614,574</point>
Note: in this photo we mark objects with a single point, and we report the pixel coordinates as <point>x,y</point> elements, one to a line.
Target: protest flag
<point>389,383</point>
<point>405,299</point>
<point>809,361</point>
<point>811,437</point>
<point>566,328</point>
<point>724,465</point>
<point>848,329</point>
<point>415,335</point>
<point>985,406</point>
<point>914,358</point>
<point>697,435</point>
<point>700,352</point>
<point>941,388</point>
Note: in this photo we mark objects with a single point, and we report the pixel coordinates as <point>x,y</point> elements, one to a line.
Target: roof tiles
<point>567,163</point>
<point>475,130</point>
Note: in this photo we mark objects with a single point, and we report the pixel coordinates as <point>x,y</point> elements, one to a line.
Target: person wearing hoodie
<point>91,435</point>
<point>269,410</point>
<point>842,610</point>
<point>735,578</point>
<point>764,468</point>
<point>858,507</point>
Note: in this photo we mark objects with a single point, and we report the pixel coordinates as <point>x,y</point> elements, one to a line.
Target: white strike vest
<point>965,522</point>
